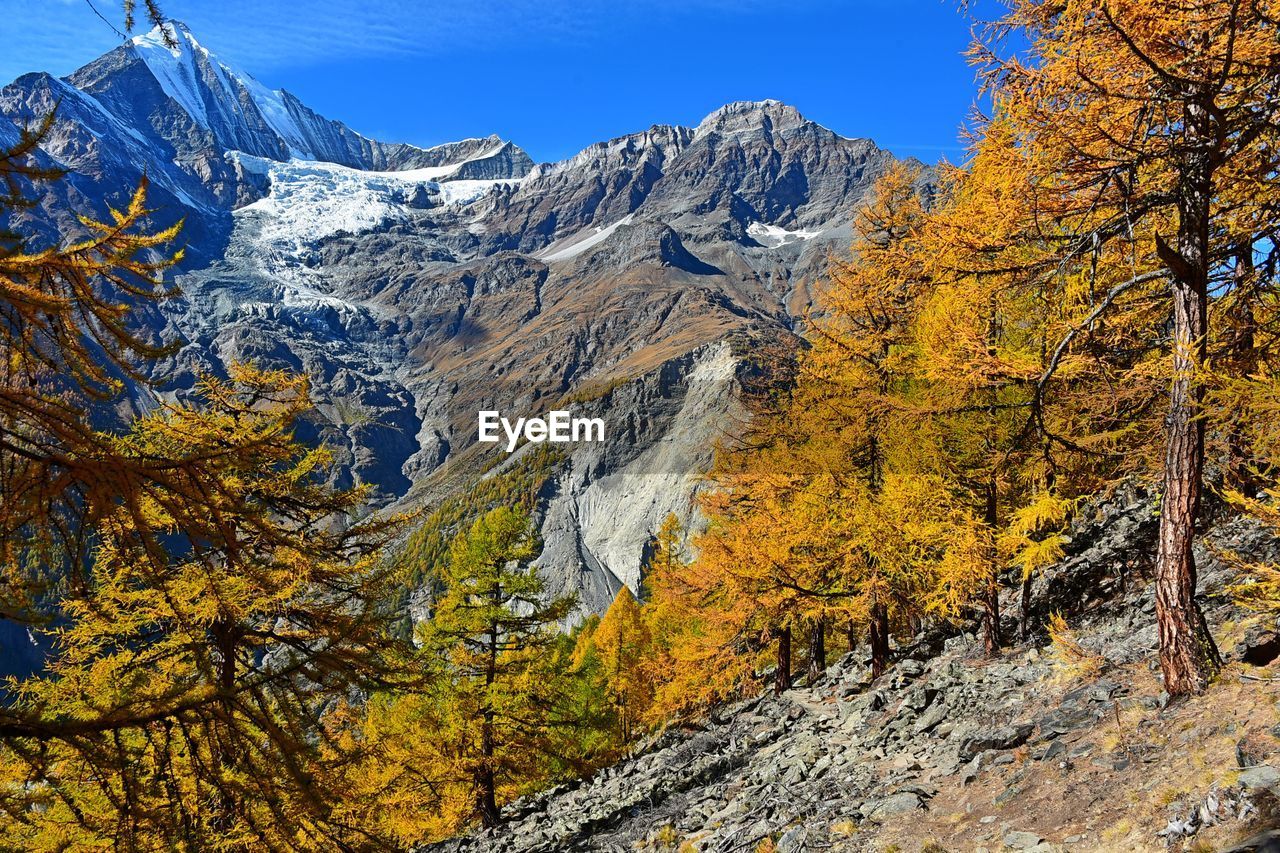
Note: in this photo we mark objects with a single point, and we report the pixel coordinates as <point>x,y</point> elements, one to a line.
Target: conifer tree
<point>622,642</point>
<point>705,635</point>
<point>835,507</point>
<point>596,735</point>
<point>184,697</point>
<point>213,595</point>
<point>491,632</point>
<point>1149,127</point>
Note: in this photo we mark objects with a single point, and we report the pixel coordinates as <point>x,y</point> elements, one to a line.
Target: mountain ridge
<point>416,286</point>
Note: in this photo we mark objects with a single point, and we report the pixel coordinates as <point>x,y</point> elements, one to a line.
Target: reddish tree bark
<point>817,649</point>
<point>1188,657</point>
<point>782,675</point>
<point>879,638</point>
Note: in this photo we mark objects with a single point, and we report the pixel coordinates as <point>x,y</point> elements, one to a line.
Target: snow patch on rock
<point>773,236</point>
<point>576,244</point>
<point>311,200</point>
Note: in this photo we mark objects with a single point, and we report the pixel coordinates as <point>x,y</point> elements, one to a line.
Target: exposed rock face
<point>608,501</point>
<point>951,748</point>
<point>192,101</point>
<point>417,286</point>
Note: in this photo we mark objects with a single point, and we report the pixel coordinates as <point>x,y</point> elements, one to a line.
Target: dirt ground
<point>1115,785</point>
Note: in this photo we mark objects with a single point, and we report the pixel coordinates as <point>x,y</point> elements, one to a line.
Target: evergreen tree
<point>490,633</point>
<point>622,642</point>
<point>1148,129</point>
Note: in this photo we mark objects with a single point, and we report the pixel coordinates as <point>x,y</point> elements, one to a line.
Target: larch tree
<point>858,373</point>
<point>622,642</point>
<point>832,508</point>
<point>866,375</point>
<point>184,696</point>
<point>208,593</point>
<point>491,633</point>
<point>1157,120</point>
<point>707,626</point>
<point>979,336</point>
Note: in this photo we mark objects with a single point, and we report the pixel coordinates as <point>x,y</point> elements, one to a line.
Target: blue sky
<point>555,76</point>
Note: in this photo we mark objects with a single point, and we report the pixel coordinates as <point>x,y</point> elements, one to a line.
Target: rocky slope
<point>417,286</point>
<point>949,749</point>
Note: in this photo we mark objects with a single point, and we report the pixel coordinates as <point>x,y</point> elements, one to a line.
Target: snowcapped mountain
<point>237,112</point>
<point>416,286</point>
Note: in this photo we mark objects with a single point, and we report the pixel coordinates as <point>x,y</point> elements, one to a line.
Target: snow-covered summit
<point>242,114</point>
<point>211,90</point>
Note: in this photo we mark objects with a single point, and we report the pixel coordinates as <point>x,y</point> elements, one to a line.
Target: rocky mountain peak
<point>174,29</point>
<point>416,286</point>
<point>223,99</point>
<point>192,105</point>
<point>660,141</point>
<point>753,117</point>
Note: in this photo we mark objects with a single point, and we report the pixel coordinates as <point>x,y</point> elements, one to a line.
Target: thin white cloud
<point>262,37</point>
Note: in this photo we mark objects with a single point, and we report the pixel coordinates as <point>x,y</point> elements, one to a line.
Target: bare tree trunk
<point>851,636</point>
<point>817,649</point>
<point>991,595</point>
<point>1024,615</point>
<point>486,802</point>
<point>486,787</point>
<point>782,675</point>
<point>1188,657</point>
<point>879,637</point>
<point>991,640</point>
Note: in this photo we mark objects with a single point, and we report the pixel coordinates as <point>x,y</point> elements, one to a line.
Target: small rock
<point>930,718</point>
<point>792,840</point>
<point>1260,646</point>
<point>1008,795</point>
<point>926,792</point>
<point>1056,748</point>
<point>1004,737</point>
<point>1260,777</point>
<point>910,668</point>
<point>899,803</point>
<point>1244,757</point>
<point>1021,840</point>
